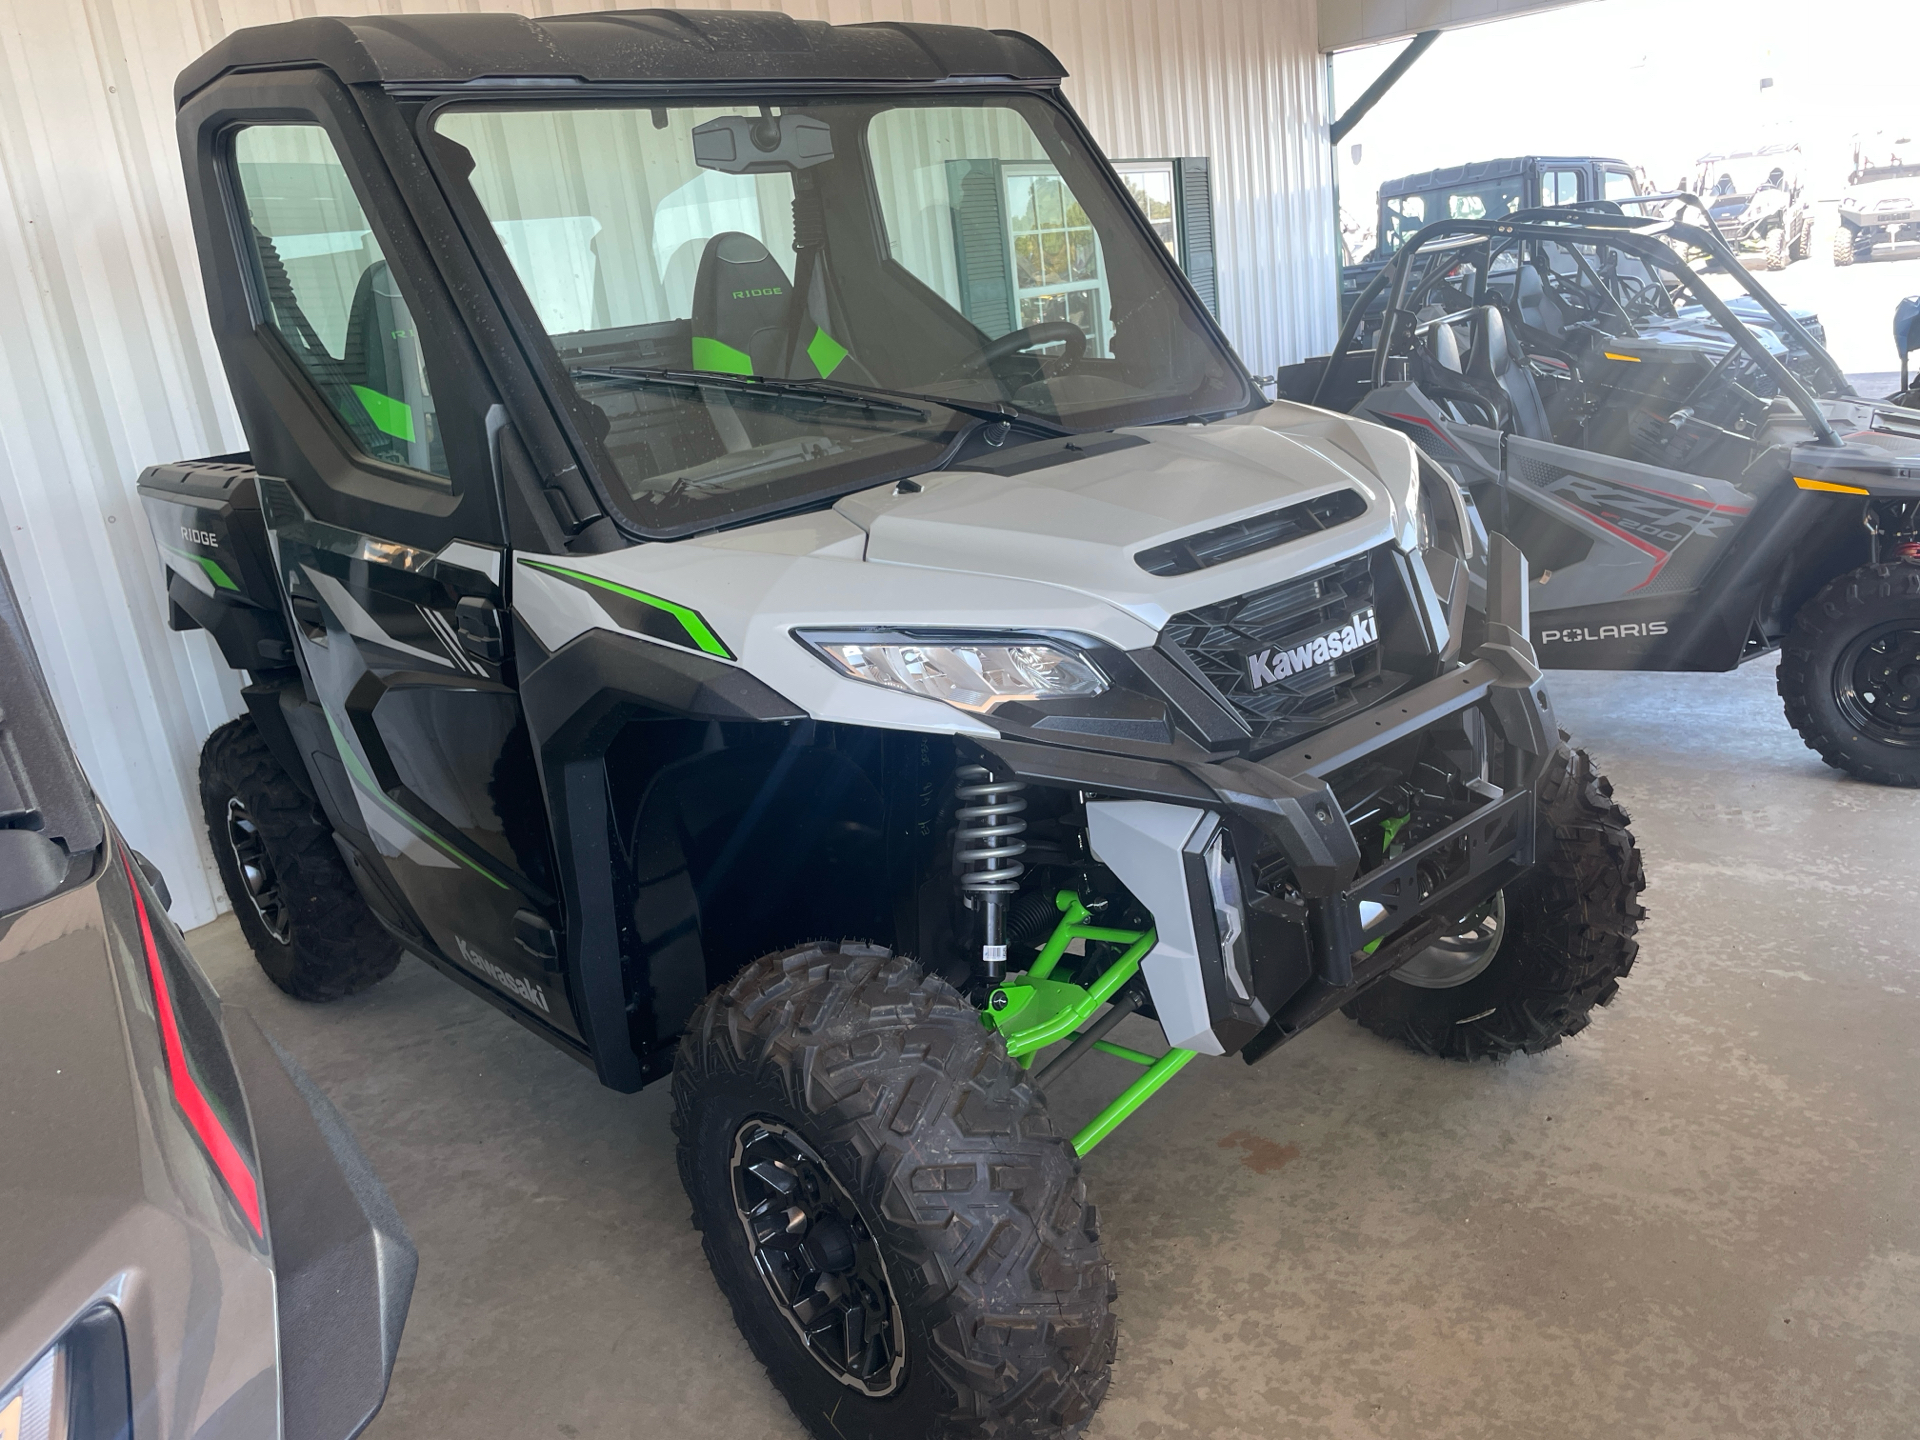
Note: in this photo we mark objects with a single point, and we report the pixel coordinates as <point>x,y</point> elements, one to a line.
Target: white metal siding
<point>106,364</point>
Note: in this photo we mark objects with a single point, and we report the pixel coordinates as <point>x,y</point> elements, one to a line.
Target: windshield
<point>971,250</point>
<point>1487,201</point>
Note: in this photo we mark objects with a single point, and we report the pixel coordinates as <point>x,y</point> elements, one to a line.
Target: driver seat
<point>1498,369</point>
<point>747,321</point>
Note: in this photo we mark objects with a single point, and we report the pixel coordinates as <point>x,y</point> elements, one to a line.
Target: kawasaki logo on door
<point>1278,662</point>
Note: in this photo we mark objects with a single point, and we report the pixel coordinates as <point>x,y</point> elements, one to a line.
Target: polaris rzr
<point>754,560</point>
<point>1693,480</point>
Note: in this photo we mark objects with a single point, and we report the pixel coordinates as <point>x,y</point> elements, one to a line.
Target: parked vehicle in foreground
<point>1692,489</point>
<point>754,560</point>
<point>1881,204</point>
<point>1484,190</point>
<point>1758,204</point>
<point>193,1244</point>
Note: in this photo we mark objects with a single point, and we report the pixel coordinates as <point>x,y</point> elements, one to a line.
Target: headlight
<point>975,672</point>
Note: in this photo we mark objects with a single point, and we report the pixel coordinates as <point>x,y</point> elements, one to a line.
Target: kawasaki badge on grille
<point>1279,661</point>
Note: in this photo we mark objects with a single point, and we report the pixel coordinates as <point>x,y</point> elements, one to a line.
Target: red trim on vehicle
<point>1683,499</point>
<point>1660,556</point>
<point>1422,420</point>
<point>186,1090</point>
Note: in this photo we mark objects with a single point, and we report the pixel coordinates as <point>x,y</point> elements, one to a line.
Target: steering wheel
<point>1047,332</point>
<point>1569,294</point>
<point>1642,298</point>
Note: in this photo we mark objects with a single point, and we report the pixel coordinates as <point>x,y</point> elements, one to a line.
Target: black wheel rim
<point>1876,683</point>
<point>257,877</point>
<point>818,1258</point>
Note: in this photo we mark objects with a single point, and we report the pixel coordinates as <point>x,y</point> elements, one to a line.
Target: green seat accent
<point>825,352</point>
<point>719,357</point>
<point>390,416</point>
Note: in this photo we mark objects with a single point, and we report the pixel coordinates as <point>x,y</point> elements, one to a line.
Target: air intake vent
<point>1245,537</point>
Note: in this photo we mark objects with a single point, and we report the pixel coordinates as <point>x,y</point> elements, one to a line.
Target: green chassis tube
<point>1035,1011</point>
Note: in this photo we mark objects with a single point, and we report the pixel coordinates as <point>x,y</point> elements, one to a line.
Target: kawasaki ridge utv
<point>1693,480</point>
<point>754,561</point>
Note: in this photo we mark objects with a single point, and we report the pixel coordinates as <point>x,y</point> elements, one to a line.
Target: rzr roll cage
<point>1596,222</point>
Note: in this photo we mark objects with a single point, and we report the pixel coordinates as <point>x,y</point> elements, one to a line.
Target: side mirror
<point>742,145</point>
<point>1906,326</point>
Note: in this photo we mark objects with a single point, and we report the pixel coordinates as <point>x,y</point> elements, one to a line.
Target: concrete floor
<point>1696,1219</point>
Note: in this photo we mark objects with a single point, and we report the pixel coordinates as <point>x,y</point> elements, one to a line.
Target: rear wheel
<point>903,1237</point>
<point>1526,970</point>
<point>1850,674</point>
<point>290,890</point>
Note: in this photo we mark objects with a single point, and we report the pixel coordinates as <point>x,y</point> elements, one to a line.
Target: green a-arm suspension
<point>1034,1011</point>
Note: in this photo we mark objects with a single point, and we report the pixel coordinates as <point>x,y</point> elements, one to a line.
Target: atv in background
<point>706,588</point>
<point>1483,190</point>
<point>1691,489</point>
<point>1757,204</point>
<point>1881,204</point>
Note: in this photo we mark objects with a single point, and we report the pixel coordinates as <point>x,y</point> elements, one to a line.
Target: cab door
<point>366,412</point>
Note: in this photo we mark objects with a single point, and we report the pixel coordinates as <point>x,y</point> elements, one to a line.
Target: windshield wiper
<point>868,398</point>
<point>806,393</point>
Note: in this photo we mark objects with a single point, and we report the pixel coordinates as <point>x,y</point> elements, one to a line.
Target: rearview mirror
<point>742,145</point>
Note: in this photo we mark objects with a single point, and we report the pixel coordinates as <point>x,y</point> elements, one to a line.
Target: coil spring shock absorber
<point>986,851</point>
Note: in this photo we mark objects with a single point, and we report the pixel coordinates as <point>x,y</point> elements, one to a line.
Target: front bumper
<point>1336,929</point>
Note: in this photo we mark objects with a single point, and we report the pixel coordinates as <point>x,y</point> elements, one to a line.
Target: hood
<point>1041,536</point>
<point>1078,514</point>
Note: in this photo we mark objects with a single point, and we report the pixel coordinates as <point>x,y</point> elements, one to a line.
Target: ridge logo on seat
<point>1277,662</point>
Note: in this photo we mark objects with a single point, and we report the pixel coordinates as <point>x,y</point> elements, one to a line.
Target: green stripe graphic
<point>696,628</point>
<point>207,564</point>
<point>367,783</point>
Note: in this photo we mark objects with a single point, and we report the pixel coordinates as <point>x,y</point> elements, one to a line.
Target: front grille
<point>1215,640</point>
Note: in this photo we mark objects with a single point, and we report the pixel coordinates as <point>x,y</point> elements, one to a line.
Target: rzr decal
<point>1652,521</point>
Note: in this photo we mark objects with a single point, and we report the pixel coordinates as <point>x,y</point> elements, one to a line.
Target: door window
<point>330,295</point>
<point>1619,185</point>
<point>1559,187</point>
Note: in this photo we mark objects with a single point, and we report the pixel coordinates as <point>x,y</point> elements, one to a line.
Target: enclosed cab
<point>784,583</point>
<point>1483,190</point>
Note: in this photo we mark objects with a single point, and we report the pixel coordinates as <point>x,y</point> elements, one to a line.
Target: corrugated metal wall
<point>106,364</point>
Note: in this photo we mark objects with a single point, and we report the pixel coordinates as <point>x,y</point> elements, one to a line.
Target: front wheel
<point>1850,674</point>
<point>1526,970</point>
<point>1776,250</point>
<point>1843,250</point>
<point>903,1236</point>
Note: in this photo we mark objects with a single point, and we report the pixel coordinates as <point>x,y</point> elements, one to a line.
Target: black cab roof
<point>1479,170</point>
<point>621,45</point>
